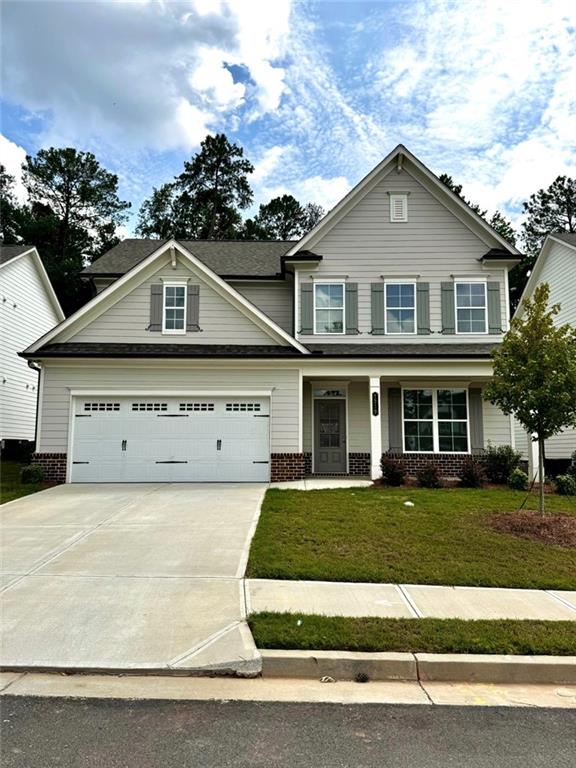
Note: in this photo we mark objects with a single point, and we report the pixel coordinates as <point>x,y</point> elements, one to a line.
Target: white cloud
<point>11,157</point>
<point>132,73</point>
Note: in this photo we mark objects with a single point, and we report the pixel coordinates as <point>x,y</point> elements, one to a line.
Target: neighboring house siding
<point>274,299</point>
<point>58,380</point>
<point>433,244</point>
<point>21,325</point>
<point>128,319</point>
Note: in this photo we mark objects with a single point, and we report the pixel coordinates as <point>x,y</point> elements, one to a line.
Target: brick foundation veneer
<point>53,464</point>
<point>287,466</point>
<point>449,464</point>
<point>358,465</point>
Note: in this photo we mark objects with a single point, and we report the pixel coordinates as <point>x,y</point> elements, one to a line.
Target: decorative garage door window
<point>149,406</point>
<point>196,407</point>
<point>101,406</point>
<point>242,406</point>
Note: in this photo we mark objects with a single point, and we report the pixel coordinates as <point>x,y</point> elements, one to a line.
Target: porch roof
<point>455,350</point>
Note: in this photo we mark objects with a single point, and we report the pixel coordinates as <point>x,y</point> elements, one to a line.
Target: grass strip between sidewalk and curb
<point>292,631</point>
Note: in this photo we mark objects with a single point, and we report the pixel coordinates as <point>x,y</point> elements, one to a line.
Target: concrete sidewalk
<point>408,601</point>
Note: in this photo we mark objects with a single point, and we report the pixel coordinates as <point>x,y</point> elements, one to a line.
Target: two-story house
<point>555,265</point>
<point>232,361</point>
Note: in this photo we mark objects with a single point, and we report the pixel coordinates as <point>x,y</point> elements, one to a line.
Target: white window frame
<point>174,284</point>
<point>399,333</point>
<point>403,197</point>
<point>435,421</point>
<point>331,333</point>
<point>456,307</point>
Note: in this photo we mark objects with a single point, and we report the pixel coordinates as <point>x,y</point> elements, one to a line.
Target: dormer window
<point>398,207</point>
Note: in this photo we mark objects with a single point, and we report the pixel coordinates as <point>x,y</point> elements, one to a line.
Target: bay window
<point>435,420</point>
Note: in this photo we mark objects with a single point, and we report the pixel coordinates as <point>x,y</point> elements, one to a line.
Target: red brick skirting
<point>53,464</point>
<point>287,466</point>
<point>358,465</point>
<point>449,464</point>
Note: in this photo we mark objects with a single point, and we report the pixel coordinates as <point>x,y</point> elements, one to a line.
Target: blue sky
<point>316,92</point>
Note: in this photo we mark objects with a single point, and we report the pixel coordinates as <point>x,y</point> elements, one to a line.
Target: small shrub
<point>429,476</point>
<point>518,480</point>
<point>500,462</point>
<point>572,468</point>
<point>393,471</point>
<point>473,474</point>
<point>566,485</point>
<point>31,474</point>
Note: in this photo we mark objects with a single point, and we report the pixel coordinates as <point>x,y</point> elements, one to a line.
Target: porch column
<point>375,405</point>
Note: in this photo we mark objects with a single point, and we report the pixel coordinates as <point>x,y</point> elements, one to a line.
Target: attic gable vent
<point>398,207</point>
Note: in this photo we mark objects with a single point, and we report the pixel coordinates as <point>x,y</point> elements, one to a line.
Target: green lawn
<point>10,486</point>
<point>367,534</point>
<point>328,633</point>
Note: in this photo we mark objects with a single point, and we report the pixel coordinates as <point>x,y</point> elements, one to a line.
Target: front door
<point>329,436</point>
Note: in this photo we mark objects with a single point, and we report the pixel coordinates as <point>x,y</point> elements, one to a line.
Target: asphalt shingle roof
<point>403,350</point>
<point>227,258</point>
<point>566,237</point>
<point>9,252</point>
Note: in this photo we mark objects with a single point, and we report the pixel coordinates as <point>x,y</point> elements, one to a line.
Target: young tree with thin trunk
<point>535,373</point>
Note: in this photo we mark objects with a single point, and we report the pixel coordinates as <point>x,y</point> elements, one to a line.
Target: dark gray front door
<point>329,436</point>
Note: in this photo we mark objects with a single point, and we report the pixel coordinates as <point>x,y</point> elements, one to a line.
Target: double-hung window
<point>471,312</point>
<point>400,313</point>
<point>329,308</point>
<point>435,420</point>
<point>174,309</point>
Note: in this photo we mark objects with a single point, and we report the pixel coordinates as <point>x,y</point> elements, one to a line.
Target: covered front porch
<point>349,423</point>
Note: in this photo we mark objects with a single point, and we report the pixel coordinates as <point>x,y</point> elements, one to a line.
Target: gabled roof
<point>114,292</point>
<point>226,258</point>
<point>9,254</point>
<point>562,238</point>
<point>397,159</point>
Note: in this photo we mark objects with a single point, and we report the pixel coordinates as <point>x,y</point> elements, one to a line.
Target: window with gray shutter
<point>423,308</point>
<point>307,309</point>
<point>448,314</point>
<point>352,308</point>
<point>193,308</point>
<point>155,308</point>
<point>494,309</point>
<point>377,308</point>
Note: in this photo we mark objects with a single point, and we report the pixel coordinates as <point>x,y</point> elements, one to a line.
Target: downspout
<point>38,370</point>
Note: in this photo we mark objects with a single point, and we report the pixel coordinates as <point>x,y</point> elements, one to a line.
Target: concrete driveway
<point>128,577</point>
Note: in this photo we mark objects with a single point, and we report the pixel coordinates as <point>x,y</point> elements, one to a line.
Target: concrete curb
<point>428,667</point>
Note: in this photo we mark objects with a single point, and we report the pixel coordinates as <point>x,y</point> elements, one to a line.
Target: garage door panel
<point>171,440</point>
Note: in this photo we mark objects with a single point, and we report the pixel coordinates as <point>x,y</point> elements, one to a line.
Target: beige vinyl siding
<point>520,439</point>
<point>384,418</point>
<point>274,299</point>
<point>497,426</point>
<point>358,417</point>
<point>127,320</point>
<point>433,245</point>
<point>26,315</point>
<point>307,417</point>
<point>59,380</point>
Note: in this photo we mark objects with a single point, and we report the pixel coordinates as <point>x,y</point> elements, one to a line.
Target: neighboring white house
<point>28,309</point>
<point>555,265</point>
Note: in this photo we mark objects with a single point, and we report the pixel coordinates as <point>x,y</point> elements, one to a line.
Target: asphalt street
<point>82,733</point>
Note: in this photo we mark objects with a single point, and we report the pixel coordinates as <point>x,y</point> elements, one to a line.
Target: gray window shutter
<point>423,308</point>
<point>476,421</point>
<point>307,309</point>
<point>448,312</point>
<point>395,420</point>
<point>494,308</point>
<point>155,308</point>
<point>351,308</point>
<point>193,308</point>
<point>377,296</point>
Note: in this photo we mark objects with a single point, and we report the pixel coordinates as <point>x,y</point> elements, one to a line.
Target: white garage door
<point>170,439</point>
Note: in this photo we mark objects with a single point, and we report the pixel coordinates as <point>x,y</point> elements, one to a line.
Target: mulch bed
<point>550,528</point>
